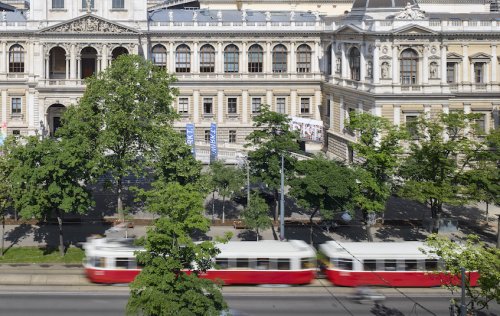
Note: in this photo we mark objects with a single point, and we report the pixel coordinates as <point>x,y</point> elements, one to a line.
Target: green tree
<point>271,139</point>
<point>377,157</point>
<point>169,282</point>
<point>5,192</point>
<point>226,180</point>
<point>47,177</point>
<point>256,215</point>
<point>445,160</point>
<point>473,255</point>
<point>124,111</point>
<point>323,187</point>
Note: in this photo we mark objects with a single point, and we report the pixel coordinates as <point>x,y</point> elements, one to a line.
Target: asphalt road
<point>26,302</point>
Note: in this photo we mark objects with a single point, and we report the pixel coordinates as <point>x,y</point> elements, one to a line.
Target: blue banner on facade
<point>190,137</point>
<point>213,142</point>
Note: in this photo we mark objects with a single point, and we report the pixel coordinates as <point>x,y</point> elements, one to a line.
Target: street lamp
<point>282,200</point>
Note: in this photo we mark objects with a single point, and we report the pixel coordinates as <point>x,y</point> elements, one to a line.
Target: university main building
<point>315,60</point>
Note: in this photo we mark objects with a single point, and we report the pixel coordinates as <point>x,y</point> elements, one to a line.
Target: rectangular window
<point>15,105</point>
<point>262,264</point>
<point>307,263</point>
<point>390,265</point>
<point>478,72</point>
<point>232,136</point>
<point>450,73</point>
<point>281,105</point>
<point>283,264</point>
<point>304,105</point>
<point>431,264</point>
<point>118,4</point>
<point>481,123</point>
<point>207,105</point>
<point>84,4</point>
<point>122,263</point>
<point>57,4</point>
<point>328,107</point>
<point>411,265</point>
<point>183,105</point>
<point>221,263</point>
<point>369,265</point>
<point>231,105</point>
<point>256,102</point>
<point>411,125</point>
<point>242,263</point>
<point>207,136</point>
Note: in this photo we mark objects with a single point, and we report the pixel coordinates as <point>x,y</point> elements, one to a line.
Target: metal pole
<point>282,201</point>
<point>498,232</point>
<point>248,183</point>
<point>463,308</point>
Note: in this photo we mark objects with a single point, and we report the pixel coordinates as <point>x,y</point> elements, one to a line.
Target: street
<point>27,301</point>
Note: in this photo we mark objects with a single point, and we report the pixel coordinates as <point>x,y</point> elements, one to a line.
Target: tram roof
<point>268,248</point>
<point>407,249</point>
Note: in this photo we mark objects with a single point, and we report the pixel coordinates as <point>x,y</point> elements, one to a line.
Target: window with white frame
<point>255,58</point>
<point>207,136</point>
<point>305,104</point>
<point>451,72</point>
<point>411,121</point>
<point>231,58</point>
<point>159,56</point>
<point>57,4</point>
<point>409,67</point>
<point>207,58</point>
<point>183,105</point>
<point>16,58</point>
<point>208,104</point>
<point>118,4</point>
<point>479,72</point>
<point>232,136</point>
<point>304,58</point>
<point>183,58</point>
<point>354,63</point>
<point>480,123</point>
<point>256,103</point>
<point>16,106</point>
<point>279,58</point>
<point>232,104</point>
<point>281,105</point>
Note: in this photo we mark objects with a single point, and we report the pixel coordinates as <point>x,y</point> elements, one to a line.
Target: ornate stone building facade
<point>307,59</point>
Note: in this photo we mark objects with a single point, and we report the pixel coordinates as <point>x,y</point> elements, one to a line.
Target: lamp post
<point>282,200</point>
<point>498,232</point>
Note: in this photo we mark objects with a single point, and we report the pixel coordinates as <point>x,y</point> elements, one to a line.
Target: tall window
<point>231,58</point>
<point>478,72</point>
<point>255,58</point>
<point>305,104</point>
<point>208,105</point>
<point>231,105</point>
<point>183,105</point>
<point>232,136</point>
<point>159,56</point>
<point>16,58</point>
<point>256,102</point>
<point>354,63</point>
<point>207,136</point>
<point>304,58</point>
<point>281,105</point>
<point>15,105</point>
<point>411,121</point>
<point>207,58</point>
<point>84,4</point>
<point>279,58</point>
<point>118,4</point>
<point>409,64</point>
<point>481,123</point>
<point>183,59</point>
<point>451,72</point>
<point>57,4</point>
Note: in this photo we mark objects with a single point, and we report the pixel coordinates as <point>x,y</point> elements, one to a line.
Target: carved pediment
<point>349,29</point>
<point>480,57</point>
<point>414,30</point>
<point>89,24</point>
<point>454,57</point>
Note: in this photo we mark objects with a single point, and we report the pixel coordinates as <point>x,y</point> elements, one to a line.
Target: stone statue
<point>433,70</point>
<point>170,16</point>
<point>243,15</point>
<point>410,13</point>
<point>195,16</point>
<point>268,16</point>
<point>292,15</point>
<point>316,14</point>
<point>385,70</point>
<point>219,15</point>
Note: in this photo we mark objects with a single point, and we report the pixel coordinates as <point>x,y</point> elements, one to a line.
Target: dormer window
<point>57,4</point>
<point>118,4</point>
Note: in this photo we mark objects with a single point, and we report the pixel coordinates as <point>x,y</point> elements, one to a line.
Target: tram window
<point>431,264</point>
<point>307,263</point>
<point>100,262</point>
<point>122,263</point>
<point>410,265</point>
<point>283,264</point>
<point>242,263</point>
<point>343,264</point>
<point>390,265</point>
<point>262,264</point>
<point>221,263</point>
<point>369,265</point>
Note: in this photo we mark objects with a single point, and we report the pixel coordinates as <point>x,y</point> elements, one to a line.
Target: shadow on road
<point>17,234</point>
<point>382,310</point>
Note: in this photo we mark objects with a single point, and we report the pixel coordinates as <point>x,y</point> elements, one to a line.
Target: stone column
<point>316,56</point>
<point>3,64</point>
<point>244,106</point>
<point>344,62</point>
<point>444,60</point>
<point>334,59</point>
<point>196,106</point>
<point>465,65</point>
<point>362,62</point>
<point>78,68</point>
<point>72,64</point>
<point>425,71</point>
<point>395,70</point>
<point>195,59</point>
<point>219,63</point>
<point>47,66</point>
<point>342,114</point>
<point>316,106</point>
<point>68,65</point>
<point>220,106</point>
<point>104,56</point>
<point>494,64</point>
<point>293,103</point>
<point>31,58</point>
<point>268,60</point>
<point>269,99</point>
<point>244,58</point>
<point>396,111</point>
<point>293,58</point>
<point>4,111</point>
<point>376,65</point>
<point>171,60</point>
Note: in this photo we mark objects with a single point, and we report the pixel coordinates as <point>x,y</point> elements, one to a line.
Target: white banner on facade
<point>310,130</point>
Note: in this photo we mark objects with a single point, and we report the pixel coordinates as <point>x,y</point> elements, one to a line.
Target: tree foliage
<point>5,192</point>
<point>271,138</point>
<point>323,187</point>
<point>226,180</point>
<point>473,256</point>
<point>256,215</point>
<point>122,114</point>
<point>447,163</point>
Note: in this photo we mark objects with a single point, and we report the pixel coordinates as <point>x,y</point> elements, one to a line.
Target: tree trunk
<point>487,217</point>
<point>369,232</point>
<point>3,233</point>
<point>213,206</point>
<point>311,241</point>
<point>435,208</point>
<point>223,209</point>
<point>119,203</point>
<point>276,205</point>
<point>257,232</point>
<point>61,241</point>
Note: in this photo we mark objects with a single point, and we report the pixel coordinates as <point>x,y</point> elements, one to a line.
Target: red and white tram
<point>239,262</point>
<point>399,264</point>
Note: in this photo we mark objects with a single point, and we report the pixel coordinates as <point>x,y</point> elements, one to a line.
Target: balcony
<point>53,83</point>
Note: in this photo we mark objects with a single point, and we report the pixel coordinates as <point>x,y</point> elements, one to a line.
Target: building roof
<point>6,7</point>
<point>15,16</point>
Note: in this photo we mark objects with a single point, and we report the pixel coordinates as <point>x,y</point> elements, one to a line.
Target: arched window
<point>182,59</point>
<point>255,58</point>
<point>159,56</point>
<point>231,58</point>
<point>303,58</point>
<point>207,58</point>
<point>16,58</point>
<point>354,63</point>
<point>279,58</point>
<point>118,51</point>
<point>409,67</point>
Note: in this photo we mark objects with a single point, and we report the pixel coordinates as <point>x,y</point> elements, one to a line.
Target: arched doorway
<point>54,114</point>
<point>89,62</point>
<point>57,63</point>
<point>118,51</point>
